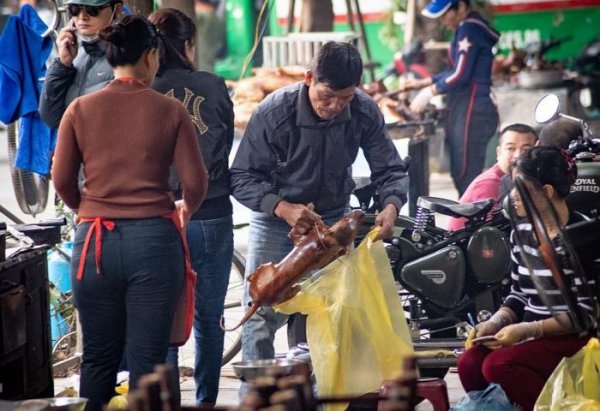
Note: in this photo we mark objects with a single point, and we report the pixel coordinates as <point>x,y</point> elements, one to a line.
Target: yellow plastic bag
<point>575,383</point>
<point>356,329</point>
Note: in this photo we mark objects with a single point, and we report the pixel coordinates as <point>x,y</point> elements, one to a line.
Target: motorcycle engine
<point>585,193</point>
<point>489,255</point>
<point>438,277</point>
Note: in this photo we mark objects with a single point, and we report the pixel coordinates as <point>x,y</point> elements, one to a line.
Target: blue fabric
<point>23,54</point>
<point>470,125</point>
<point>471,58</point>
<point>437,8</point>
<point>211,251</point>
<point>493,398</point>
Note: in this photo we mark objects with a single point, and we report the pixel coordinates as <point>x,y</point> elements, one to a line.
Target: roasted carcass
<point>275,283</point>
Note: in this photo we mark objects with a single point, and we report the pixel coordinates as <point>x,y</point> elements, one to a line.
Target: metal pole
<point>409,28</point>
<point>10,215</point>
<point>361,23</point>
<point>290,17</point>
<point>350,15</point>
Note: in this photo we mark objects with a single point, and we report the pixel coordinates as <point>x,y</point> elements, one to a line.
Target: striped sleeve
<point>530,274</point>
<point>517,299</point>
<point>464,60</point>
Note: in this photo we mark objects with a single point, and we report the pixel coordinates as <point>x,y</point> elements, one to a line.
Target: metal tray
<point>252,369</point>
<point>408,129</point>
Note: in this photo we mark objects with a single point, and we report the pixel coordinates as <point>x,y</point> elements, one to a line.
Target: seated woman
<point>529,341</point>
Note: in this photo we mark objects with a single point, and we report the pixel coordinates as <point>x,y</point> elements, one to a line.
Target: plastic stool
<point>435,391</point>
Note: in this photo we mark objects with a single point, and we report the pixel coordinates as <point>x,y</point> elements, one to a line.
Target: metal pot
<point>66,403</point>
<point>46,404</point>
<point>540,78</point>
<point>250,370</point>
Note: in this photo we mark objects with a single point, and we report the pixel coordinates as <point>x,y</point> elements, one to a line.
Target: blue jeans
<point>132,299</point>
<point>268,241</point>
<point>211,250</point>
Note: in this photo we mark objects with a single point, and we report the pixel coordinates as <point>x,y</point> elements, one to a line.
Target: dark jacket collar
<point>94,48</point>
<point>306,116</point>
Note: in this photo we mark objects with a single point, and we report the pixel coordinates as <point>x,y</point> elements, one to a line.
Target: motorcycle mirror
<point>547,109</point>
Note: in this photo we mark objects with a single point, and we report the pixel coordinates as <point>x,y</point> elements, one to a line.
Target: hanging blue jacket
<point>23,55</point>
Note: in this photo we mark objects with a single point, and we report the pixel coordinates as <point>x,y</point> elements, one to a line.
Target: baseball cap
<point>436,8</point>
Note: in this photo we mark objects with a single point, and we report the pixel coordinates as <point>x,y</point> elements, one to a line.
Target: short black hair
<point>560,133</point>
<point>127,40</point>
<point>518,128</point>
<point>548,165</point>
<point>338,65</point>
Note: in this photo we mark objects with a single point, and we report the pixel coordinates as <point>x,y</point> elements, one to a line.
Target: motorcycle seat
<point>452,208</point>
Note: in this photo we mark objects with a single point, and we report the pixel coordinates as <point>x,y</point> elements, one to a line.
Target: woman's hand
<point>514,333</point>
<point>501,318</point>
<point>487,328</point>
<point>421,100</point>
<point>67,45</point>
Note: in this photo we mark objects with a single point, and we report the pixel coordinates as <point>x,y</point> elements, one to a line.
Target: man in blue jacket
<point>473,116</point>
<point>293,168</point>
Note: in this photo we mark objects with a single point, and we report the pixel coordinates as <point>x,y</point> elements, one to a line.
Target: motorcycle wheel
<point>31,189</point>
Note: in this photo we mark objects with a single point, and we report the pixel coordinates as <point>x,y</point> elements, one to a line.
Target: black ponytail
<point>175,30</point>
<point>127,40</point>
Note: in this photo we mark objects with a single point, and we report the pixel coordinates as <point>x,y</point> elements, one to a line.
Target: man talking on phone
<point>81,66</point>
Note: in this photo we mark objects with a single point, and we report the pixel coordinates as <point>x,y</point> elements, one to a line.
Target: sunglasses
<point>92,11</point>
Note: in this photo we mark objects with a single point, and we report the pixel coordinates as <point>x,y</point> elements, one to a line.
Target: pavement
<point>440,185</point>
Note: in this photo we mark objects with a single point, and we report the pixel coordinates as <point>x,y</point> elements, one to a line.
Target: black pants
<point>132,299</point>
<point>472,121</point>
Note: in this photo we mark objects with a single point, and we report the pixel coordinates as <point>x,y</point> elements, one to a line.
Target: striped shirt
<point>524,298</point>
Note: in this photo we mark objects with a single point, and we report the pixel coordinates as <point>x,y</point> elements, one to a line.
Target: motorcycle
<point>445,279</point>
<point>585,193</point>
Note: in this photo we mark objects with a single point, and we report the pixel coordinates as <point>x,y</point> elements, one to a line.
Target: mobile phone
<point>485,338</point>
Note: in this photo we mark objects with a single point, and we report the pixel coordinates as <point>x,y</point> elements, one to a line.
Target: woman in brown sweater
<point>126,283</point>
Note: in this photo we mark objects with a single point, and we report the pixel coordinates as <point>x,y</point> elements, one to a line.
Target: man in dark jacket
<point>472,117</point>
<point>293,167</point>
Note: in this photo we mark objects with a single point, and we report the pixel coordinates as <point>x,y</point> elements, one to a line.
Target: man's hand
<point>67,45</point>
<point>297,216</point>
<point>386,219</point>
